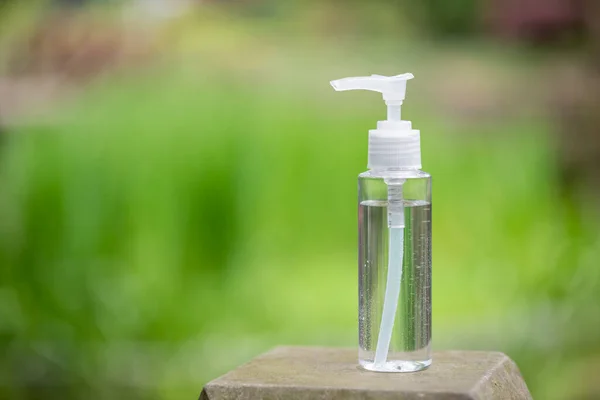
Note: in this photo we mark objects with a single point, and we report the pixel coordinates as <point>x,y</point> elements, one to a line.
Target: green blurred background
<point>174,199</point>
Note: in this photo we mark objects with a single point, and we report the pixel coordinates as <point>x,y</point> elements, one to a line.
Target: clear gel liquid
<point>410,345</point>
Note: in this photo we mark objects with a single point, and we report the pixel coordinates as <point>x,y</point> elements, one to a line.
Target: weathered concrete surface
<point>303,373</point>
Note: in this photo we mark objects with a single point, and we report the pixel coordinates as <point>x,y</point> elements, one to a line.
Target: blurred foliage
<point>168,223</point>
<point>459,18</point>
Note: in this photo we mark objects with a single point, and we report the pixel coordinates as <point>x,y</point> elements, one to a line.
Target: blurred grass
<point>167,225</point>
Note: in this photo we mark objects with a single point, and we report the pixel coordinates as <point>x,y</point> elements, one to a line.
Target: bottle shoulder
<point>399,173</point>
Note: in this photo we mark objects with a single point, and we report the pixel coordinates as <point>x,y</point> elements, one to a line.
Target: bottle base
<point>396,366</point>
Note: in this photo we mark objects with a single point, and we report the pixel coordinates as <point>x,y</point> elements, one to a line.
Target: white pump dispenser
<point>394,144</point>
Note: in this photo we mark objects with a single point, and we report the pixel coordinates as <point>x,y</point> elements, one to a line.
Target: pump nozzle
<point>393,89</point>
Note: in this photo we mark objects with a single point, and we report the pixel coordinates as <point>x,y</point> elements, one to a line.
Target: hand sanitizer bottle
<point>394,230</point>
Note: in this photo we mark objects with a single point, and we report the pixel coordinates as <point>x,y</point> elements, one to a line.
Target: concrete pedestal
<point>303,373</point>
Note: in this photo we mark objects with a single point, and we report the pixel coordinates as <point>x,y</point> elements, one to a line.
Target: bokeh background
<point>178,184</point>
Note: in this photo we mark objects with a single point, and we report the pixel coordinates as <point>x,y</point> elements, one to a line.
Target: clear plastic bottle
<point>394,223</point>
<point>410,344</point>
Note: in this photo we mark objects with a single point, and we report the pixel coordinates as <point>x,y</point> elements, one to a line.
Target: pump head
<point>394,144</point>
<point>393,89</point>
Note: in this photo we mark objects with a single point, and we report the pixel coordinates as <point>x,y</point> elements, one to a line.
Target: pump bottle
<point>394,230</point>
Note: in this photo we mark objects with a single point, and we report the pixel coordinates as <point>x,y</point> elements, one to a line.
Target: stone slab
<point>303,373</point>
